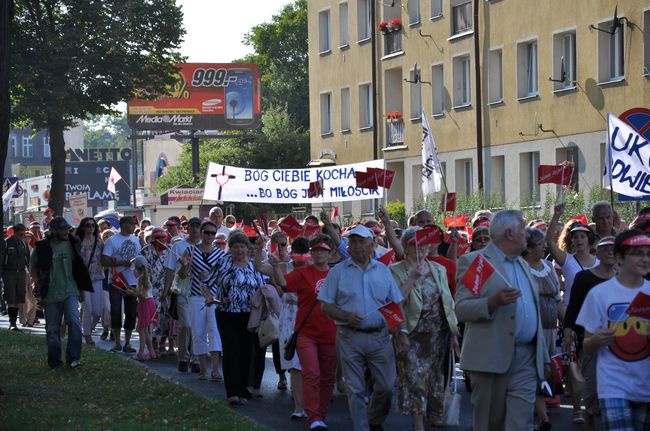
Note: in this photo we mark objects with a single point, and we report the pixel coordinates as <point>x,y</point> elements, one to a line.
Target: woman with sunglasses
<point>155,253</point>
<point>91,252</point>
<point>203,258</point>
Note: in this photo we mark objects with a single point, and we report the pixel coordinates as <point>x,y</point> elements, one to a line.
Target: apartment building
<point>548,73</point>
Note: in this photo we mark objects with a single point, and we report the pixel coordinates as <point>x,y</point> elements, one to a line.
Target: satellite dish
<point>615,21</point>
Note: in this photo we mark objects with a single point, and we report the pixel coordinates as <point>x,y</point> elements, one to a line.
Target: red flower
<point>382,25</point>
<point>396,21</point>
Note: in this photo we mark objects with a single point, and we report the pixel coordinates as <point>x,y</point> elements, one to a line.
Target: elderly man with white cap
<point>216,217</point>
<point>353,292</point>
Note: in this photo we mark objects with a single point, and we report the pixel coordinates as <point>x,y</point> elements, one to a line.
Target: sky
<point>215,29</point>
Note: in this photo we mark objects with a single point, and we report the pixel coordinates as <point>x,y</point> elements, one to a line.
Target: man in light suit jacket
<point>503,346</point>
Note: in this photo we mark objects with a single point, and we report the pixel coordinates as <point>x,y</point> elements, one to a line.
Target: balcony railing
<point>394,132</point>
<point>392,42</point>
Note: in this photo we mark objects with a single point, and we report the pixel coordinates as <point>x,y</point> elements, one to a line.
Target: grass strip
<point>107,393</point>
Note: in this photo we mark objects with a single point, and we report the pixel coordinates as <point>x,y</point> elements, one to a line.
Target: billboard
<point>206,96</point>
<point>87,171</point>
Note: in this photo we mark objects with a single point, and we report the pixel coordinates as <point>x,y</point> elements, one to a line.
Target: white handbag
<point>269,329</point>
<point>451,409</point>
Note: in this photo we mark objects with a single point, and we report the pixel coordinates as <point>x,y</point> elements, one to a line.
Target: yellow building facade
<point>549,72</point>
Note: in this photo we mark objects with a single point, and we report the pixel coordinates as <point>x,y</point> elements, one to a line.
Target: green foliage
<point>108,392</point>
<point>397,211</point>
<point>281,53</point>
<point>107,131</point>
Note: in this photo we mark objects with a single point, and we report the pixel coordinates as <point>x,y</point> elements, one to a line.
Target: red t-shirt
<point>306,282</point>
<point>450,266</point>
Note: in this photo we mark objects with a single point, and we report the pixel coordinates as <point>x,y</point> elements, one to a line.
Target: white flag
<point>627,165</point>
<point>113,178</point>
<point>9,195</point>
<point>431,169</point>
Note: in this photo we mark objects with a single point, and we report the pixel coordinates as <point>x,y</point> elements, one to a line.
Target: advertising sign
<point>184,195</point>
<point>8,182</point>
<point>78,207</point>
<point>231,184</point>
<point>87,172</point>
<point>206,96</point>
<point>639,120</point>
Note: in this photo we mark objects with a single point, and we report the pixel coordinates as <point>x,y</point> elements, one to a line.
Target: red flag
<point>335,213</point>
<point>427,235</point>
<point>456,221</point>
<point>239,224</point>
<point>463,245</point>
<point>384,176</point>
<point>315,189</point>
<point>366,180</point>
<point>581,218</point>
<point>388,258</point>
<point>554,174</point>
<point>119,281</point>
<point>264,223</point>
<point>291,227</point>
<point>477,274</point>
<point>640,306</point>
<point>558,368</point>
<point>31,218</point>
<point>250,231</point>
<point>310,229</point>
<point>392,314</point>
<point>449,202</point>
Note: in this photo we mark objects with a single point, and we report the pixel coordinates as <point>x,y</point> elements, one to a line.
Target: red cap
<point>322,245</point>
<point>637,241</point>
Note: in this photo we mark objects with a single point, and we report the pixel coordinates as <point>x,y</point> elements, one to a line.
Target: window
<point>365,106</point>
<point>570,153</point>
<point>462,89</point>
<point>527,80</point>
<point>528,187</point>
<point>344,31</point>
<point>564,60</point>
<point>495,76</point>
<point>414,12</point>
<point>464,176</point>
<point>646,43</point>
<point>46,147</point>
<point>437,90</point>
<point>415,91</point>
<point>498,177</point>
<point>461,16</point>
<point>28,147</point>
<point>324,44</point>
<point>368,207</point>
<point>436,9</point>
<point>325,113</point>
<point>14,146</point>
<point>363,20</point>
<point>345,109</point>
<point>611,55</point>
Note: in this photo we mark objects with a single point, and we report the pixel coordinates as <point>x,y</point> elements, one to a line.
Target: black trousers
<point>258,363</point>
<point>130,308</point>
<point>237,344</point>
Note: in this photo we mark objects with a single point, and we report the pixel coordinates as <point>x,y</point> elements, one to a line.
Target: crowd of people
<point>531,308</point>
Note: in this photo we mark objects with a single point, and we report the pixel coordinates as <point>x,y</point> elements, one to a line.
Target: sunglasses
<point>210,232</point>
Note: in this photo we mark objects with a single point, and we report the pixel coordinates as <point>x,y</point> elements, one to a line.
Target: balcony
<point>394,132</point>
<point>392,42</point>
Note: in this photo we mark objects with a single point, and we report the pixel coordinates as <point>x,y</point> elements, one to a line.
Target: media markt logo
<point>165,119</point>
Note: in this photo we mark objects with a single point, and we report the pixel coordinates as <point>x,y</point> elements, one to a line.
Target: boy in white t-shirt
<point>622,341</point>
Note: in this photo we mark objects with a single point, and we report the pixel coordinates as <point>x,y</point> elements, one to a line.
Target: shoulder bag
<point>269,330</point>
<point>290,346</point>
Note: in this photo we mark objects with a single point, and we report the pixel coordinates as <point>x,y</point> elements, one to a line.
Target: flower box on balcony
<point>388,27</point>
<point>394,117</point>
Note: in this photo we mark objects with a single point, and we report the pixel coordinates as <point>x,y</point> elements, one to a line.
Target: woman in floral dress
<point>431,324</point>
<point>156,253</point>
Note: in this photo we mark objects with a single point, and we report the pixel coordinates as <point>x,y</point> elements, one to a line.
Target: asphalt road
<point>275,408</point>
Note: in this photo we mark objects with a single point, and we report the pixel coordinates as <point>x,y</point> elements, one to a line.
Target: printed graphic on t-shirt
<point>319,284</point>
<point>631,342</point>
<point>127,250</point>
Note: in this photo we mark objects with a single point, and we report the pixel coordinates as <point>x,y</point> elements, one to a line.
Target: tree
<point>107,131</point>
<point>76,58</point>
<point>6,16</point>
<point>281,53</point>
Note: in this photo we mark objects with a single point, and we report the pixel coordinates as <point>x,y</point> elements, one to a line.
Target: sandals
<point>237,401</point>
<point>578,419</point>
<point>141,357</point>
<point>203,376</point>
<point>216,377</point>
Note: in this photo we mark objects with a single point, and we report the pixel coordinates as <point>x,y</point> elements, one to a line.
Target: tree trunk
<point>57,148</point>
<point>6,13</point>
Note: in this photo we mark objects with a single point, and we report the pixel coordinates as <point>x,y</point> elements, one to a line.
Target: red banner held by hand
<point>291,227</point>
<point>640,306</point>
<point>119,281</point>
<point>427,235</point>
<point>315,189</point>
<point>366,180</point>
<point>456,221</point>
<point>582,218</point>
<point>335,213</point>
<point>310,229</point>
<point>384,176</point>
<point>554,174</point>
<point>393,315</point>
<point>477,274</point>
<point>264,224</point>
<point>388,258</point>
<point>448,202</point>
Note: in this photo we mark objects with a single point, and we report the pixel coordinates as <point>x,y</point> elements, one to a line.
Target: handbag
<point>290,346</point>
<point>451,405</point>
<point>269,330</point>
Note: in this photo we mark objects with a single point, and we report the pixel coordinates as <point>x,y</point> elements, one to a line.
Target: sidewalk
<point>275,408</point>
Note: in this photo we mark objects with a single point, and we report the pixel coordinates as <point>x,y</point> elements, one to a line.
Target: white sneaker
<point>318,425</point>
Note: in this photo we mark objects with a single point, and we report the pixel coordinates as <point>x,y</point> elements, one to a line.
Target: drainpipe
<point>373,62</point>
<point>479,103</point>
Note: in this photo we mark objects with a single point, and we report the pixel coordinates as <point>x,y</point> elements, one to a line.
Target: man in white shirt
<point>216,217</point>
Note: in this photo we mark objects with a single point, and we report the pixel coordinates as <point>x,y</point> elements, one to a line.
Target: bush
<point>397,211</point>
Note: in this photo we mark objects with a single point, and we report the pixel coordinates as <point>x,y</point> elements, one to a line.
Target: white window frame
<point>326,113</point>
<point>345,109</point>
<point>365,105</point>
<point>438,89</point>
<point>646,42</point>
<point>344,24</point>
<point>364,27</point>
<point>436,9</point>
<point>527,69</point>
<point>415,94</point>
<point>564,57</point>
<point>529,182</point>
<point>14,146</point>
<point>27,147</point>
<point>462,81</point>
<point>324,31</point>
<point>413,9</point>
<point>495,76</point>
<point>456,5</point>
<point>611,71</point>
<point>47,150</point>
